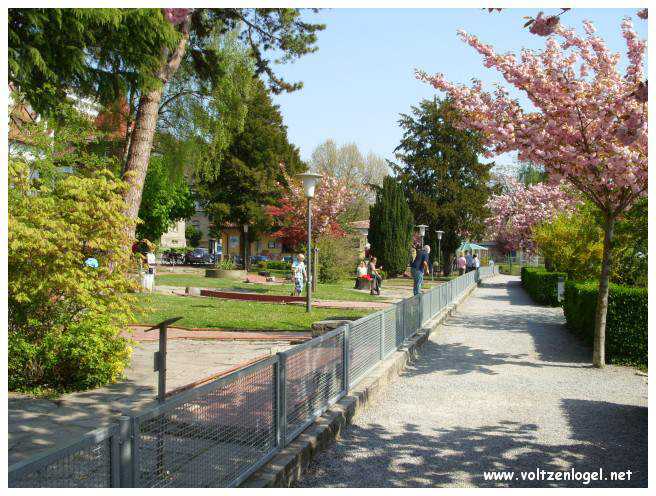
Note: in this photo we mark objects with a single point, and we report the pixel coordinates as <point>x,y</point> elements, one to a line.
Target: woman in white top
<point>299,275</point>
<point>362,269</point>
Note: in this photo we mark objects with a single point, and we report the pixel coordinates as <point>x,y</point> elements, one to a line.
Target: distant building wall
<point>175,237</point>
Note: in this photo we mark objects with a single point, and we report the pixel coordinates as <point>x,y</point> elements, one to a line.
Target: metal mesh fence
<point>211,437</point>
<point>219,433</point>
<point>364,346</point>
<point>86,463</point>
<point>314,379</point>
<point>390,339</point>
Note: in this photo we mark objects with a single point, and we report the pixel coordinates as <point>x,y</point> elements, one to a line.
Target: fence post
<point>124,462</point>
<point>345,357</point>
<point>281,400</point>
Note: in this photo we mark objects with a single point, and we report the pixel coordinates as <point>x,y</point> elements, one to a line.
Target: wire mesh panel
<point>425,307</point>
<point>212,436</point>
<point>313,382</point>
<point>400,322</point>
<point>84,463</point>
<point>414,305</point>
<point>390,339</point>
<point>364,346</point>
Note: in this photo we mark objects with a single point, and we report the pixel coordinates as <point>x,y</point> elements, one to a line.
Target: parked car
<point>199,256</point>
<point>172,258</point>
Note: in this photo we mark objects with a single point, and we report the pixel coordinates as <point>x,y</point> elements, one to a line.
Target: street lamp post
<point>245,247</point>
<point>422,232</point>
<point>310,181</point>
<point>439,249</point>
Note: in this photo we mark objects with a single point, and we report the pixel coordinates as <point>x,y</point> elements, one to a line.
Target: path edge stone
<point>288,466</point>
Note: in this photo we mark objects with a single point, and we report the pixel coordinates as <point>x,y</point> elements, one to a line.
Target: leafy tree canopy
<point>165,201</point>
<point>254,167</point>
<point>441,175</point>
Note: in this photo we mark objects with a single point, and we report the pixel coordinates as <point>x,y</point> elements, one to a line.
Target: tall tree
<point>258,160</point>
<point>106,53</point>
<point>588,122</point>
<point>441,175</point>
<point>346,162</point>
<point>390,227</point>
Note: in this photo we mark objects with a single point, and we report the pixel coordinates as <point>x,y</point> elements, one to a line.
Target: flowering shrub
<point>515,214</point>
<point>290,215</point>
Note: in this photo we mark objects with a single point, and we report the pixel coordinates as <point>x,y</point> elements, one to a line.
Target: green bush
<point>84,355</point>
<point>541,284</point>
<point>337,259</point>
<point>626,320</point>
<point>275,265</point>
<point>64,317</point>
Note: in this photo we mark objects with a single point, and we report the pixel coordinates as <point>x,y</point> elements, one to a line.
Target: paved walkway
<point>501,385</point>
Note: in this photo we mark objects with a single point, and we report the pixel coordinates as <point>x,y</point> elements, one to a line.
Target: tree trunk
<point>599,352</point>
<point>145,124</point>
<point>141,143</point>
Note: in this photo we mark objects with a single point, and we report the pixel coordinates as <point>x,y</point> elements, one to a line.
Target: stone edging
<point>287,466</point>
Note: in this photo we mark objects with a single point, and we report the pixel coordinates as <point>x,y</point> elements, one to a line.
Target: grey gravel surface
<point>501,386</point>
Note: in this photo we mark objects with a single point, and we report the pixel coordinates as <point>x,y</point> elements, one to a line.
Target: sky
<point>362,77</point>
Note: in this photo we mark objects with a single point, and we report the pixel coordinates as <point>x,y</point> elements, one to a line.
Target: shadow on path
<point>458,456</point>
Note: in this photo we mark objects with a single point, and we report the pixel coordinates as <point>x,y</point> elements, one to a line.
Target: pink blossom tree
<point>331,199</point>
<point>514,214</point>
<point>588,124</point>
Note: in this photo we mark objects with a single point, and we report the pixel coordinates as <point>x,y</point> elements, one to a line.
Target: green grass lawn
<point>342,290</point>
<point>233,314</point>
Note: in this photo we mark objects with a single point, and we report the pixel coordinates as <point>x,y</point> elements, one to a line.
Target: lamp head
<point>310,181</point>
<point>422,229</point>
<point>439,234</point>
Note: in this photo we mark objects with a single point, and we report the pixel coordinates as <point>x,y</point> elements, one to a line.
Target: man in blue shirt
<point>471,264</point>
<point>419,267</point>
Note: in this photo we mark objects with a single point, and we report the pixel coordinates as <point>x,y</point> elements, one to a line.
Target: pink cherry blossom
<point>176,16</point>
<point>332,196</point>
<point>519,209</point>
<point>587,124</point>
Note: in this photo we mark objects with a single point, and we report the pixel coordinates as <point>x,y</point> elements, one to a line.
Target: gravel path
<point>501,386</point>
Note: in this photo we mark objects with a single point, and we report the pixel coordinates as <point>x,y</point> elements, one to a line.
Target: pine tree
<point>390,228</point>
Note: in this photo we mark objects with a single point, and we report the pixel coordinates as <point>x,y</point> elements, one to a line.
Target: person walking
<point>376,278</point>
<point>299,275</point>
<point>469,261</point>
<point>477,262</point>
<point>419,267</point>
<point>462,264</point>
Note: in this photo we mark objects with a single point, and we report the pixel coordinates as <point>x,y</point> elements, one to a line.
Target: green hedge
<point>541,284</point>
<point>275,265</point>
<point>626,321</point>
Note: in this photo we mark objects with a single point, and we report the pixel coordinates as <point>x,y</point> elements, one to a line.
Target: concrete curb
<point>287,466</point>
